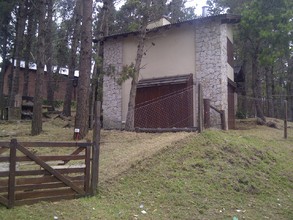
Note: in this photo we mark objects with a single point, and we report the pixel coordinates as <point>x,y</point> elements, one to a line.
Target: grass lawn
<point>245,174</point>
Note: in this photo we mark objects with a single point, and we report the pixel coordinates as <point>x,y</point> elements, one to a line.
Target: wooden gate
<point>43,171</point>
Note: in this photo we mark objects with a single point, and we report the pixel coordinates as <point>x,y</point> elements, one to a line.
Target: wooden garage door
<point>164,103</point>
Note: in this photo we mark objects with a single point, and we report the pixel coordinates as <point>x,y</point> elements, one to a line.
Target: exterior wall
<point>60,89</point>
<point>211,63</point>
<point>112,99</point>
<point>173,54</point>
<point>200,49</point>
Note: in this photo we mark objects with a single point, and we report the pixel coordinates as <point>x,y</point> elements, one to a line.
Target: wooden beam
<point>12,171</point>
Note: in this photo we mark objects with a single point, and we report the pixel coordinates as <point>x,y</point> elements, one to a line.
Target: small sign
<point>76,130</point>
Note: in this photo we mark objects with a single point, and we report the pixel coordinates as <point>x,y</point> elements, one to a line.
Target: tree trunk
<point>82,110</point>
<point>17,52</point>
<point>4,65</point>
<point>72,66</point>
<point>96,81</point>
<point>28,45</point>
<point>257,90</point>
<point>290,92</point>
<point>269,90</point>
<point>129,125</point>
<point>49,45</point>
<point>38,99</point>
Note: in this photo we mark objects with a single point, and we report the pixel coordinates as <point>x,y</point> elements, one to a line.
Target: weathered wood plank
<point>76,152</point>
<point>4,201</point>
<point>54,144</point>
<point>46,172</point>
<point>53,158</point>
<point>12,171</point>
<point>4,189</point>
<point>4,182</point>
<point>4,144</point>
<point>45,186</point>
<point>44,179</point>
<point>56,173</point>
<point>87,170</point>
<point>4,174</point>
<point>4,159</point>
<point>44,193</point>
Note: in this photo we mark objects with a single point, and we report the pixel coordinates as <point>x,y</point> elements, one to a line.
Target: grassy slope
<point>208,176</point>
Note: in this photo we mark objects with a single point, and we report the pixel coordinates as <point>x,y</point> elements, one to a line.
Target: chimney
<point>205,11</point>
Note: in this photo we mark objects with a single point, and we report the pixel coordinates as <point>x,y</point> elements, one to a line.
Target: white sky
<point>197,4</point>
<point>190,3</point>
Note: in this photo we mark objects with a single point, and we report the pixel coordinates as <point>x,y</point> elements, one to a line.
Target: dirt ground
<point>119,149</point>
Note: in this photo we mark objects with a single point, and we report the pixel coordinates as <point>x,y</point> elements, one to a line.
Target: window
<point>230,58</point>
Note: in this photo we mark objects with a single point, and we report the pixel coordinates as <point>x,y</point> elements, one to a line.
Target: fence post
<point>223,120</point>
<point>207,113</point>
<point>200,109</point>
<point>12,170</point>
<point>87,170</point>
<point>96,148</point>
<point>285,118</point>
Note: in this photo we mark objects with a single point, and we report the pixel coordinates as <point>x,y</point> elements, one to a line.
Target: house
<point>178,57</point>
<point>24,102</point>
<point>60,81</point>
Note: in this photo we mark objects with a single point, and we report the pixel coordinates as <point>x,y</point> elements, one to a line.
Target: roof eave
<point>224,18</point>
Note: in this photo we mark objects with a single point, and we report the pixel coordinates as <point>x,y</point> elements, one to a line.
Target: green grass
<point>214,175</point>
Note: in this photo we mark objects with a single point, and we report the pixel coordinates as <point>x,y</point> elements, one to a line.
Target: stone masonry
<point>112,100</point>
<point>211,64</point>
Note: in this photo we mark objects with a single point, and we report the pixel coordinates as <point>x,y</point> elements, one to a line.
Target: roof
<point>224,18</point>
<point>180,79</point>
<point>33,66</point>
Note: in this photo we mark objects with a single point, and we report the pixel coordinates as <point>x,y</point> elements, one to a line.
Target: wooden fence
<point>49,171</point>
<point>207,115</point>
<point>32,175</point>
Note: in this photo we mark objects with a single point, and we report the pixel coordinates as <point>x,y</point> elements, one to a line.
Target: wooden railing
<point>207,113</point>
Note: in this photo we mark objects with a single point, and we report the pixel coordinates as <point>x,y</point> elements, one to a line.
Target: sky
<point>189,3</point>
<point>197,4</point>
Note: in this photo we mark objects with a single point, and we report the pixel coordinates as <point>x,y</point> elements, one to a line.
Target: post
<point>207,113</point>
<point>223,120</point>
<point>285,118</point>
<point>12,170</point>
<point>96,148</point>
<point>87,170</point>
<point>200,109</point>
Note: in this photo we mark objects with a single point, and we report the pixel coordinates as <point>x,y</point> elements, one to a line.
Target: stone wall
<point>112,100</point>
<point>211,64</point>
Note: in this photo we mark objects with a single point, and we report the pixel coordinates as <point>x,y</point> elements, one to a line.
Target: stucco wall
<point>173,54</point>
<point>112,100</point>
